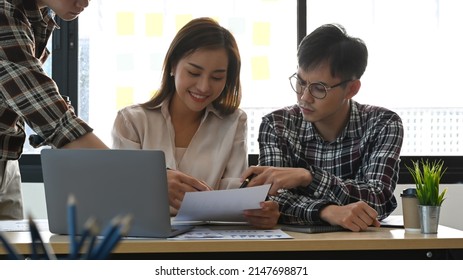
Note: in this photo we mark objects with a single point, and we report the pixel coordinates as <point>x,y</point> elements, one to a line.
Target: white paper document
<point>221,205</point>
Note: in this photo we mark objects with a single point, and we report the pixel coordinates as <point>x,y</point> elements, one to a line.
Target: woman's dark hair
<point>202,33</point>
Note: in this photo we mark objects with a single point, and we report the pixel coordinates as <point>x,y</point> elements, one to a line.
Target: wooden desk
<point>375,243</point>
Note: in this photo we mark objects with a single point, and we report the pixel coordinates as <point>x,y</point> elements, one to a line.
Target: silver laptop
<point>108,183</point>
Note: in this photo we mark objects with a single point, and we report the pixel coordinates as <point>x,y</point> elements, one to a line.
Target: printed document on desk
<point>235,234</point>
<point>22,225</point>
<point>221,205</point>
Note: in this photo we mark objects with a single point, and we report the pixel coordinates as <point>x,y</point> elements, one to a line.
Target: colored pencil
<point>72,225</point>
<point>37,243</point>
<point>12,254</point>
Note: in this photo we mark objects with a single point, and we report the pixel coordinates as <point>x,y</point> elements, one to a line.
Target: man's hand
<point>356,216</point>
<point>278,177</point>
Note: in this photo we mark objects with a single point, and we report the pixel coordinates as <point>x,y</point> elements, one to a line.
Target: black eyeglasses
<point>317,90</point>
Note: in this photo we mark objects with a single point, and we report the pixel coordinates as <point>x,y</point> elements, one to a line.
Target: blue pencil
<point>12,254</point>
<point>114,239</point>
<point>109,231</point>
<point>94,230</point>
<point>89,224</point>
<point>34,251</point>
<point>108,243</point>
<point>72,225</point>
<point>37,243</point>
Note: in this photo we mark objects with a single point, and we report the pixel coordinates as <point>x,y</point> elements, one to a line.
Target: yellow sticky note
<point>260,68</point>
<point>154,25</point>
<point>125,23</point>
<point>261,34</point>
<point>124,97</point>
<point>181,20</point>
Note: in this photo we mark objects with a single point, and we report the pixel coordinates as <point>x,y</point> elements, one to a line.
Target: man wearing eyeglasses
<point>330,160</point>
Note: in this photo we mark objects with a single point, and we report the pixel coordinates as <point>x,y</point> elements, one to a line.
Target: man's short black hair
<point>347,56</point>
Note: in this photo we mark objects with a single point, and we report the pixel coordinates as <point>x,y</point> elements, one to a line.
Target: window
<point>408,57</point>
<point>123,46</point>
<point>414,57</point>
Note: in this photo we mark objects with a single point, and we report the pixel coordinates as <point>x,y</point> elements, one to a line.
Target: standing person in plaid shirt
<point>28,95</point>
<point>330,160</point>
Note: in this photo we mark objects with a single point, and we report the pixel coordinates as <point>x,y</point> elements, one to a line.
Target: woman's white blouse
<point>217,153</point>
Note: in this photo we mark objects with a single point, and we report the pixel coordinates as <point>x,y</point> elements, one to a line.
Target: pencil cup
<point>410,211</point>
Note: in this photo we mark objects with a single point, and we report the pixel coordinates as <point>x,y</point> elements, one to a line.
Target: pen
<point>247,180</point>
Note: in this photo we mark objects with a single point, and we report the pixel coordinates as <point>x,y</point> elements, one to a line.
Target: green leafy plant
<point>427,176</point>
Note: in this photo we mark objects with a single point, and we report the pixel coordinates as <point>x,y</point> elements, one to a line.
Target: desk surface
<point>372,239</point>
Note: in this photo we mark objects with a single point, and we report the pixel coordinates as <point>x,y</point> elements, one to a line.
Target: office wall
<point>34,200</point>
<point>34,203</point>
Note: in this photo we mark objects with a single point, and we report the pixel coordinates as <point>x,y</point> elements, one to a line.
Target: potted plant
<point>427,176</point>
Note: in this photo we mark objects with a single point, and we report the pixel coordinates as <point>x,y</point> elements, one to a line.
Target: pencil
<point>89,225</point>
<point>34,251</point>
<point>37,242</point>
<point>93,234</point>
<point>122,230</point>
<point>72,225</point>
<point>107,233</point>
<point>247,180</point>
<point>12,254</point>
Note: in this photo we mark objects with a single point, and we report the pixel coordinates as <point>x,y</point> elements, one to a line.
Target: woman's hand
<point>179,183</point>
<point>266,217</point>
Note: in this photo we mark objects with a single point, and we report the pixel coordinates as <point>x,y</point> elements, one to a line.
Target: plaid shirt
<point>361,164</point>
<point>27,94</point>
